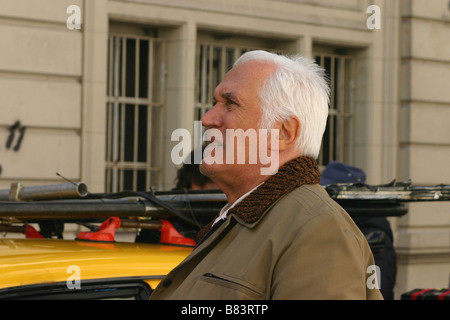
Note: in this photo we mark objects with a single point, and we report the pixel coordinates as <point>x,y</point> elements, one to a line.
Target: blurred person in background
<point>189,178</point>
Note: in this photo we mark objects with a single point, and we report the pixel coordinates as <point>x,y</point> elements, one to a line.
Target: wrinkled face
<point>236,106</point>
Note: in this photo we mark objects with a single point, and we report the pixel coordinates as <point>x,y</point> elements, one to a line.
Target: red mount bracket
<point>32,233</point>
<point>107,231</point>
<point>170,235</point>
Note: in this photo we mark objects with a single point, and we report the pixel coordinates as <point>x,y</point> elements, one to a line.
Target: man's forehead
<point>252,69</point>
<point>227,89</point>
<point>250,74</point>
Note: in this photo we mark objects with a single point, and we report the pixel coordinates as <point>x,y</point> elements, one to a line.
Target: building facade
<point>92,90</point>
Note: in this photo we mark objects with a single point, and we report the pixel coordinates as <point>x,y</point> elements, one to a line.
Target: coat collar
<point>300,171</point>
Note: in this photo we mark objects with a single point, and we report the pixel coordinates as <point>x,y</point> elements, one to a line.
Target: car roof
<point>34,261</point>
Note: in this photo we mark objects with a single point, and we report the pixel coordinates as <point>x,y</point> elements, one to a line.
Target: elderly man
<point>280,236</point>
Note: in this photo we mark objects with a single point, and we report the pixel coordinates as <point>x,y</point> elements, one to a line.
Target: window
<point>126,288</point>
<point>337,136</point>
<point>212,61</point>
<point>135,91</point>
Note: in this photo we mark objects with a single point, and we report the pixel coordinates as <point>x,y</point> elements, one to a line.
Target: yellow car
<point>71,269</point>
<point>94,265</point>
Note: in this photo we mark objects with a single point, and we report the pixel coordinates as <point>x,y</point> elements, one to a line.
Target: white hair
<point>298,87</point>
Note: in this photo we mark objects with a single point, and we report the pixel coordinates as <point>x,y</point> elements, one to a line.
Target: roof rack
<point>71,202</point>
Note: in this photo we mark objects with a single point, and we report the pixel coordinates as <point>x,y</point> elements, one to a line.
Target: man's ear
<point>289,132</point>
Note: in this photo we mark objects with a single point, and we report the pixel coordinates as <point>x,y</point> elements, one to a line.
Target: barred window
<point>135,99</point>
<point>336,144</point>
<point>212,62</point>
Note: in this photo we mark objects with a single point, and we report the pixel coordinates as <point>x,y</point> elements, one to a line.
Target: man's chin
<point>212,168</point>
<point>207,169</point>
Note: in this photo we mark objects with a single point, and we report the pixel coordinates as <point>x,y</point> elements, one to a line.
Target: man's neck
<point>233,193</point>
<point>247,180</point>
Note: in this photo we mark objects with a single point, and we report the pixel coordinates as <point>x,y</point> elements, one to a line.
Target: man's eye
<point>231,103</point>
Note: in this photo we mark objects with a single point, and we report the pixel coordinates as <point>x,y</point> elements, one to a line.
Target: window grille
<point>212,61</point>
<point>336,144</point>
<point>135,100</point>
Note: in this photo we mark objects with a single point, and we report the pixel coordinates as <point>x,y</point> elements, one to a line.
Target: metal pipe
<point>10,228</point>
<point>154,225</point>
<point>394,210</point>
<point>75,210</point>
<point>18,192</point>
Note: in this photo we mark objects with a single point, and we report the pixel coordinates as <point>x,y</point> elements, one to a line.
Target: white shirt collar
<point>227,207</point>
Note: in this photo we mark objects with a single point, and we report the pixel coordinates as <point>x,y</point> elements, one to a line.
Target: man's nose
<point>212,118</point>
